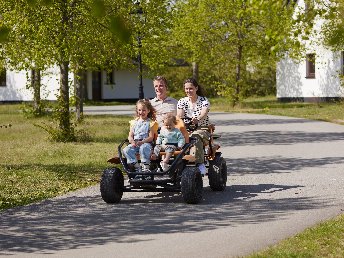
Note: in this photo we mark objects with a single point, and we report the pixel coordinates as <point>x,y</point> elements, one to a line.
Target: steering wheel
<point>190,126</point>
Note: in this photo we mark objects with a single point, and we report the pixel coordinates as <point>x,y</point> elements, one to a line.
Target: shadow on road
<point>276,164</point>
<point>75,222</point>
<point>275,138</point>
<point>247,122</point>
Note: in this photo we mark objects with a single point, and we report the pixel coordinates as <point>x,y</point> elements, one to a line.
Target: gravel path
<point>285,174</point>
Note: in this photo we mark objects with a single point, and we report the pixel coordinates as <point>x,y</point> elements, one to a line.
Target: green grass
<point>323,240</point>
<point>32,168</point>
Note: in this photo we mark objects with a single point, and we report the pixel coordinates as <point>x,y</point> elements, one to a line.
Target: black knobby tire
<point>112,185</point>
<point>192,185</point>
<point>217,174</point>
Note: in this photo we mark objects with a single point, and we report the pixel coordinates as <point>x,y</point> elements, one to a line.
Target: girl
<point>142,131</point>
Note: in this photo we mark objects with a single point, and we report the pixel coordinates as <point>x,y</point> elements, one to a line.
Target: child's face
<point>169,125</point>
<point>142,111</point>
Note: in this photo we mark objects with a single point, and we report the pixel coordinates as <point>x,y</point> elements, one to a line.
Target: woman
<point>196,107</point>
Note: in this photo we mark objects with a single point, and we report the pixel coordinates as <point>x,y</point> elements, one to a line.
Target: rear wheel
<point>192,185</point>
<point>217,174</point>
<point>112,185</point>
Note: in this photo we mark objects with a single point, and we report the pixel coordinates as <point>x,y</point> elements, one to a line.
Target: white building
<point>118,85</point>
<point>316,78</point>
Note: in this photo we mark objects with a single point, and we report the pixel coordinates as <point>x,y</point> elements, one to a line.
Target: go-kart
<point>182,175</point>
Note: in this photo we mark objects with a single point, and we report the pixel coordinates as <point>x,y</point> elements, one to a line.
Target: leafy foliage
<point>333,29</point>
<point>66,33</point>
<point>234,41</point>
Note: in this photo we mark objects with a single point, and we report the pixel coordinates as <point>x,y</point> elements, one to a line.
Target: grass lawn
<point>32,168</point>
<point>323,240</point>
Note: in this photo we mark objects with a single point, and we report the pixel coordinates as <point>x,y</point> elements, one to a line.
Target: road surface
<point>285,174</point>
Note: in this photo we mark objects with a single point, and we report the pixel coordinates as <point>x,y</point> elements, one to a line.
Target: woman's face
<point>190,89</point>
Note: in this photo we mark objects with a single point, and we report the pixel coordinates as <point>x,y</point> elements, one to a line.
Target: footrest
<point>114,160</point>
<point>189,158</point>
<point>176,153</point>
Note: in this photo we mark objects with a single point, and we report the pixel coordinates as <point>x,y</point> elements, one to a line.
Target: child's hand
<point>139,143</point>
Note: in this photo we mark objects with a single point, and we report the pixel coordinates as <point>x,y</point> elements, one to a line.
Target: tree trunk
<point>195,70</point>
<point>66,129</point>
<point>36,86</point>
<point>79,94</point>
<point>237,76</point>
<point>64,118</point>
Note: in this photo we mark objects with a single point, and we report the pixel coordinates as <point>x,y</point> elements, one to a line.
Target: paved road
<point>285,174</point>
<point>110,110</point>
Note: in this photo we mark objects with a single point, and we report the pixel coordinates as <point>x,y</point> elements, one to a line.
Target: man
<point>162,103</point>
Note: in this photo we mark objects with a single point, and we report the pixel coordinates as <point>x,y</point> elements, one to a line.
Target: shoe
<point>133,167</point>
<point>145,167</point>
<point>164,177</point>
<point>164,166</point>
<point>202,168</point>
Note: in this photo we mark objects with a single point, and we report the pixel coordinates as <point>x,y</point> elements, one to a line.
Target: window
<point>2,78</point>
<point>310,66</point>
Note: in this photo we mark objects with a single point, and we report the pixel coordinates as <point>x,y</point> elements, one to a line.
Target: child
<point>168,140</point>
<point>141,134</point>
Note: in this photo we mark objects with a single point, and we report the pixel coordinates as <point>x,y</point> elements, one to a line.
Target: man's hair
<point>160,78</point>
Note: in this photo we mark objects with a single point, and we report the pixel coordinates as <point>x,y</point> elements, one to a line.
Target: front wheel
<point>192,185</point>
<point>217,174</point>
<point>112,185</point>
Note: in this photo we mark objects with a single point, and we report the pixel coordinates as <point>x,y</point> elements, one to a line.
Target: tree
<point>333,28</point>
<point>78,35</point>
<point>230,40</point>
<point>67,33</point>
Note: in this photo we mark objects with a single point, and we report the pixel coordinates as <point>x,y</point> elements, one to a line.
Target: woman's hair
<point>199,91</point>
<point>170,118</point>
<point>146,103</point>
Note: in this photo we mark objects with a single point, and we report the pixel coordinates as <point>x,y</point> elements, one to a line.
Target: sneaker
<point>202,168</point>
<point>133,166</point>
<point>145,167</point>
<point>164,166</point>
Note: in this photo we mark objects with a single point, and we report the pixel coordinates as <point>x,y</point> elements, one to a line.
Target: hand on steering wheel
<point>194,121</point>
